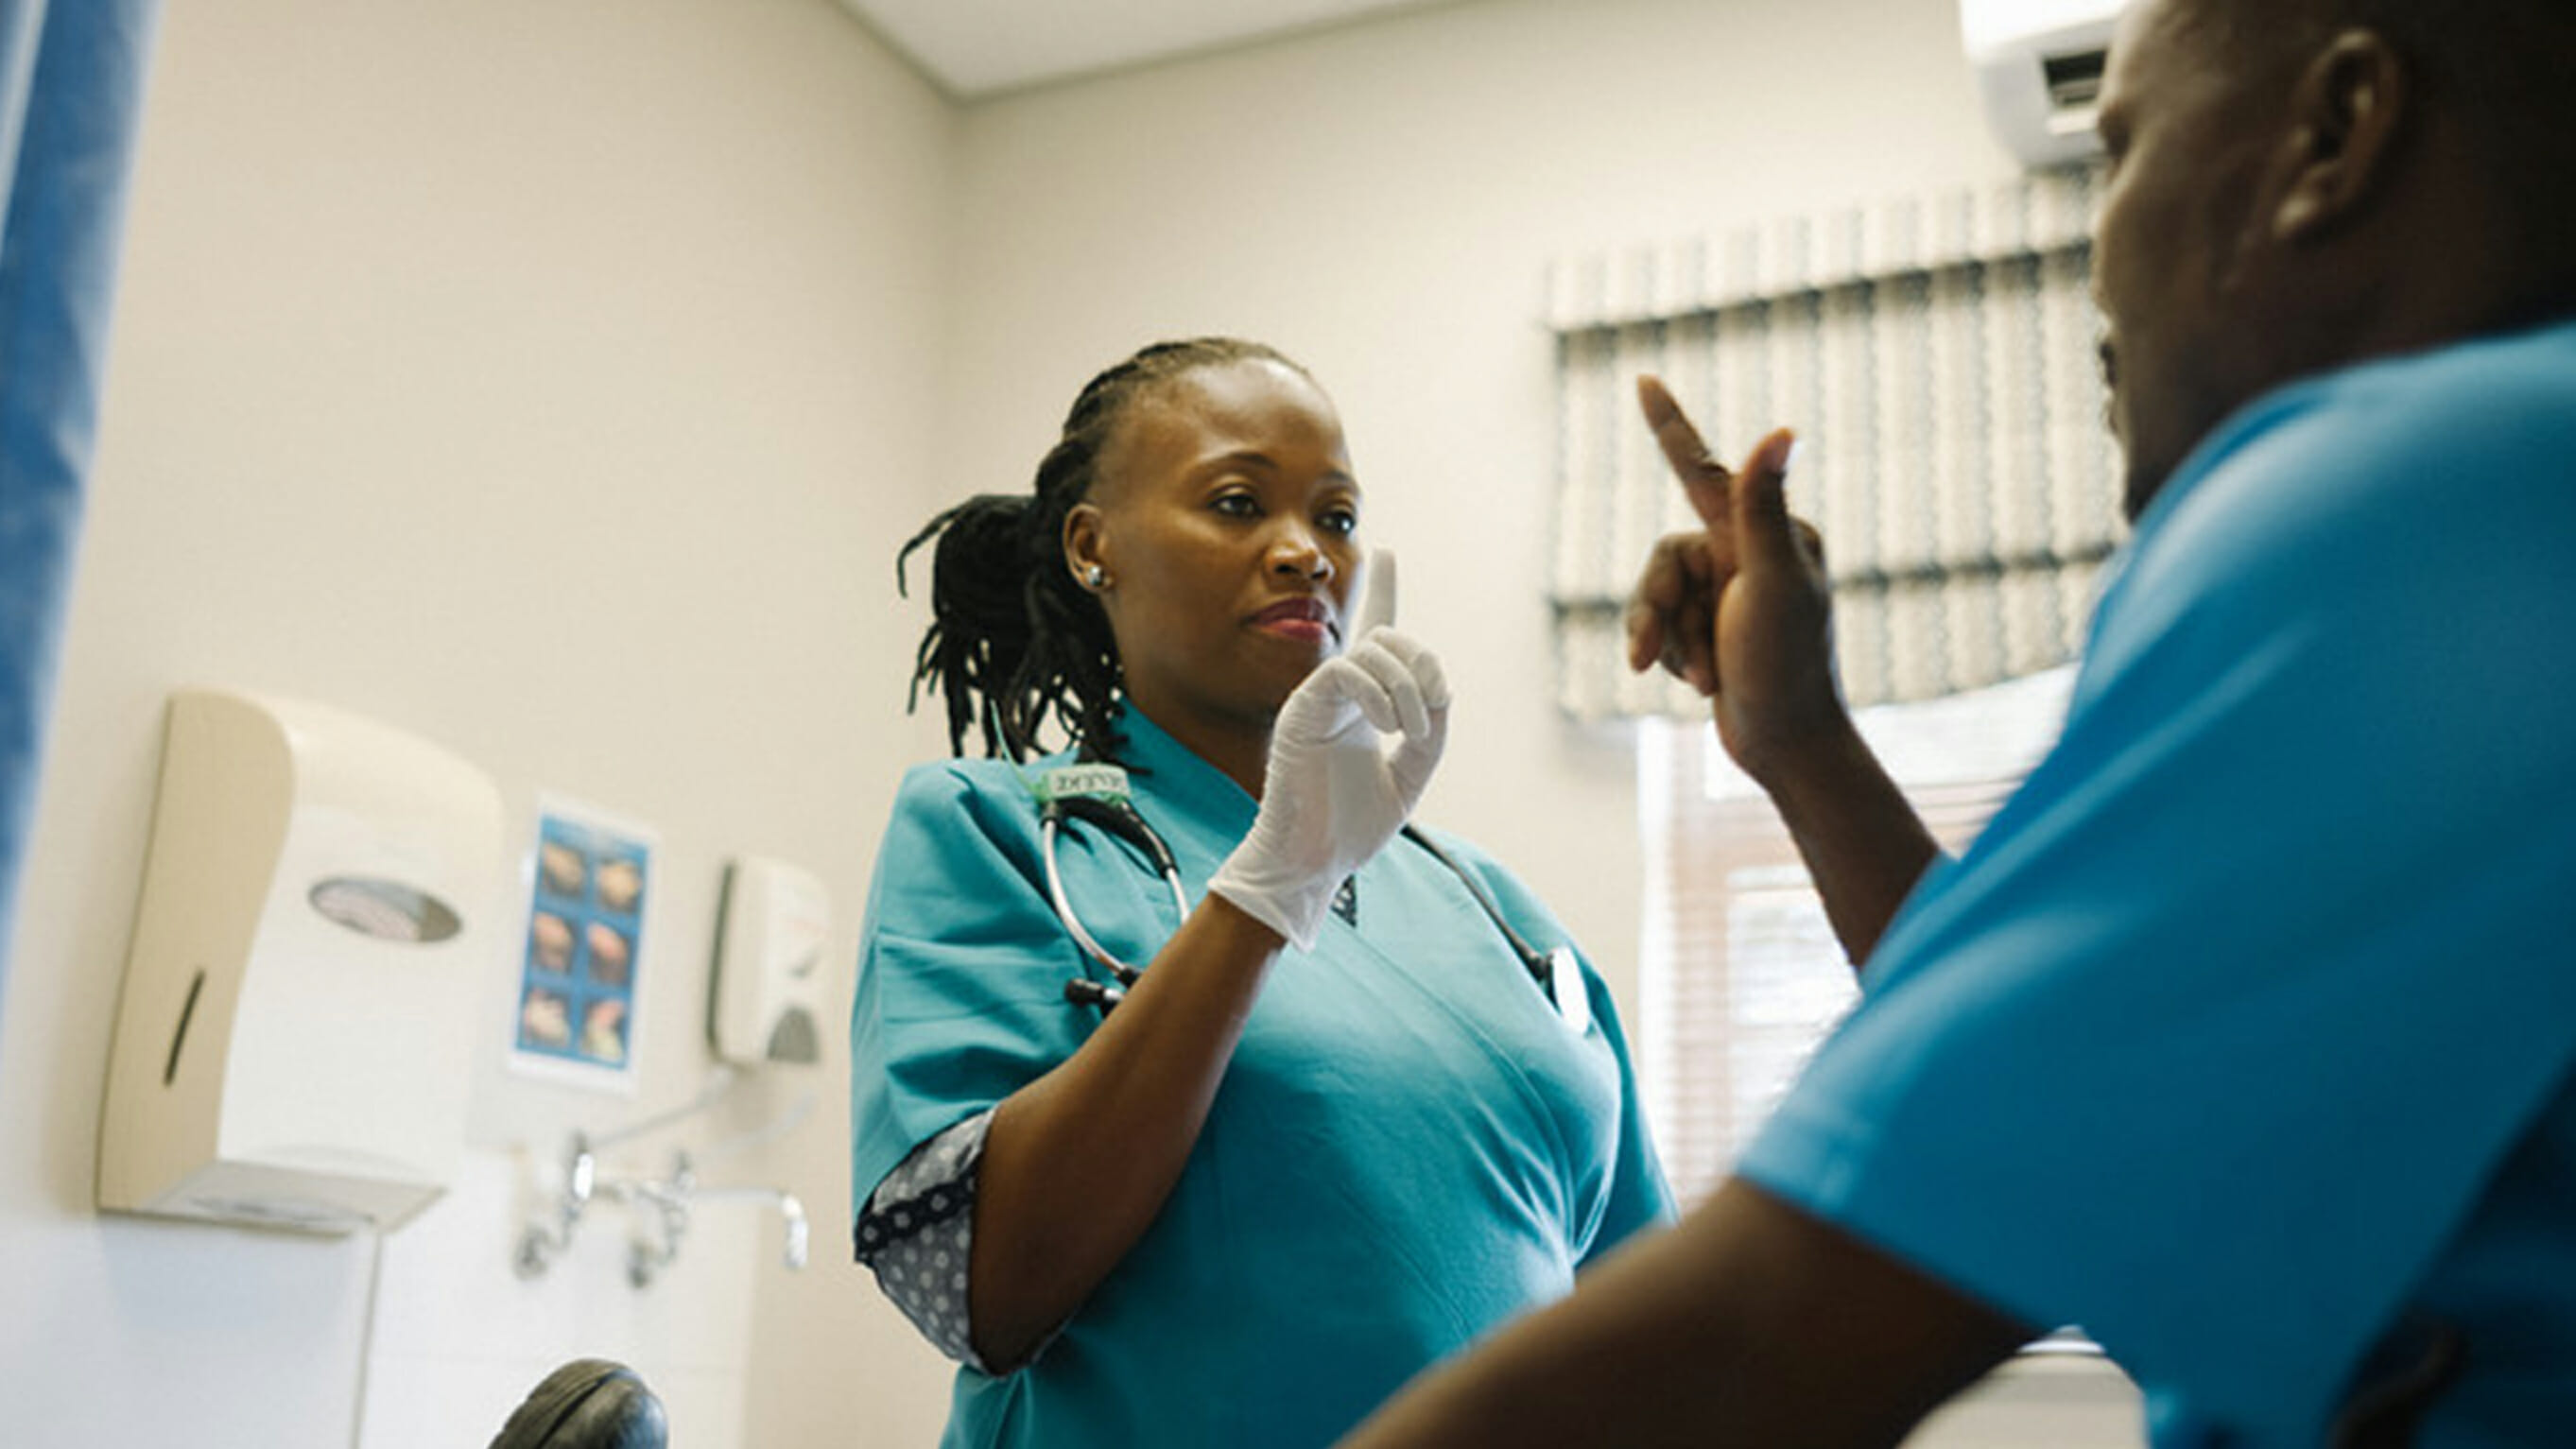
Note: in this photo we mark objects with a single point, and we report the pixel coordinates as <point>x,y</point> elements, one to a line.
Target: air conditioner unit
<point>2039,67</point>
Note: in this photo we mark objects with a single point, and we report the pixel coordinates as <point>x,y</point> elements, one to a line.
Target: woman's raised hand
<point>1350,754</point>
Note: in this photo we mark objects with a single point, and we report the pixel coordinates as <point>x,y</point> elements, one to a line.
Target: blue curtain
<point>71,88</point>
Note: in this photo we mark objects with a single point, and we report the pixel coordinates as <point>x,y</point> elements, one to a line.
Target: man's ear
<point>2347,110</point>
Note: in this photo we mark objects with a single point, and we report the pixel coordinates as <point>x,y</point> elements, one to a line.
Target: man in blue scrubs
<point>2244,1035</point>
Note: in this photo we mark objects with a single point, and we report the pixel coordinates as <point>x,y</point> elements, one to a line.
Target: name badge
<point>1091,782</point>
<point>1565,986</point>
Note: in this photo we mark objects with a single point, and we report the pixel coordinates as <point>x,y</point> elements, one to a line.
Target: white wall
<point>544,379</point>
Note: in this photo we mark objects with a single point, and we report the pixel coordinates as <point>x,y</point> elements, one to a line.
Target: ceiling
<point>975,48</point>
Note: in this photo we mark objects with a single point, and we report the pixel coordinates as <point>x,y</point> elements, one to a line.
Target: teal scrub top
<point>2243,1036</point>
<point>1410,1146</point>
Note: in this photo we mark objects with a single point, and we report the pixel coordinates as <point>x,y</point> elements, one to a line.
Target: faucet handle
<point>797,1231</point>
<point>581,1170</point>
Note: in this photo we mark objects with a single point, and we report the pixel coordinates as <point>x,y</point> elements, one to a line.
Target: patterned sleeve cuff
<point>916,1228</point>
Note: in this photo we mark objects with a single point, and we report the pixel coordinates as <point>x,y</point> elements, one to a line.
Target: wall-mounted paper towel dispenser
<point>315,946</point>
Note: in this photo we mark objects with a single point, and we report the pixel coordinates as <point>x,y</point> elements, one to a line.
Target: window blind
<point>1938,359</point>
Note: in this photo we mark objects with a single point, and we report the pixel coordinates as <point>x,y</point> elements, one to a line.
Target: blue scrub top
<point>2244,1034</point>
<point>1410,1146</point>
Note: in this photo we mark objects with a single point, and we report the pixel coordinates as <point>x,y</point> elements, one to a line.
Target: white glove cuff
<point>1293,908</point>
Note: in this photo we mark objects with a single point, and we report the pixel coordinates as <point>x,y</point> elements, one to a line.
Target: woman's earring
<point>1094,579</point>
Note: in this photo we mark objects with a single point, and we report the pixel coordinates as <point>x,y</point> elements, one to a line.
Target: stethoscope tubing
<point>1128,826</point>
<point>1539,964</point>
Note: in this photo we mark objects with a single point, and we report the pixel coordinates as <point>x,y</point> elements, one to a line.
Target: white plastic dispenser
<point>313,953</point>
<point>767,989</point>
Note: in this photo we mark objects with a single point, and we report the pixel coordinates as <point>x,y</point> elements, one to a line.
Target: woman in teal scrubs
<point>1337,1128</point>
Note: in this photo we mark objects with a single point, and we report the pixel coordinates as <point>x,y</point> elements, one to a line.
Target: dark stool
<point>589,1403</point>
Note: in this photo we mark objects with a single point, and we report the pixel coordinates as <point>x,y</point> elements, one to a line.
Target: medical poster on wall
<point>590,879</point>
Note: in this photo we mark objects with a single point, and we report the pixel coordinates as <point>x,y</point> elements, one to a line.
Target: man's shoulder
<point>2477,397</point>
<point>2447,474</point>
<point>2476,394</point>
<point>2485,424</point>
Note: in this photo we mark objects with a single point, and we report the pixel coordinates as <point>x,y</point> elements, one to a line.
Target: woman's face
<point>1224,520</point>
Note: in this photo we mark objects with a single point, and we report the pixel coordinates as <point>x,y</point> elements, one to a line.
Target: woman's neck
<point>1239,749</point>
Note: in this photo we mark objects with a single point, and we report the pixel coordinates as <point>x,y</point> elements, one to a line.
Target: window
<point>1741,976</point>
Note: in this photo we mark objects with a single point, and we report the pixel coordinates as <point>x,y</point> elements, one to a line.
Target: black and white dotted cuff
<point>916,1230</point>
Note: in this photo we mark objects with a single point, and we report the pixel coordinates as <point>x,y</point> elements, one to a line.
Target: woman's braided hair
<point>1012,637</point>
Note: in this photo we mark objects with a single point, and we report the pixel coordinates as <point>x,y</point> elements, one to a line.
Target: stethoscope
<point>1097,795</point>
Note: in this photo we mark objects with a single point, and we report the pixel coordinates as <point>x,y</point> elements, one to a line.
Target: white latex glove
<point>1349,756</point>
